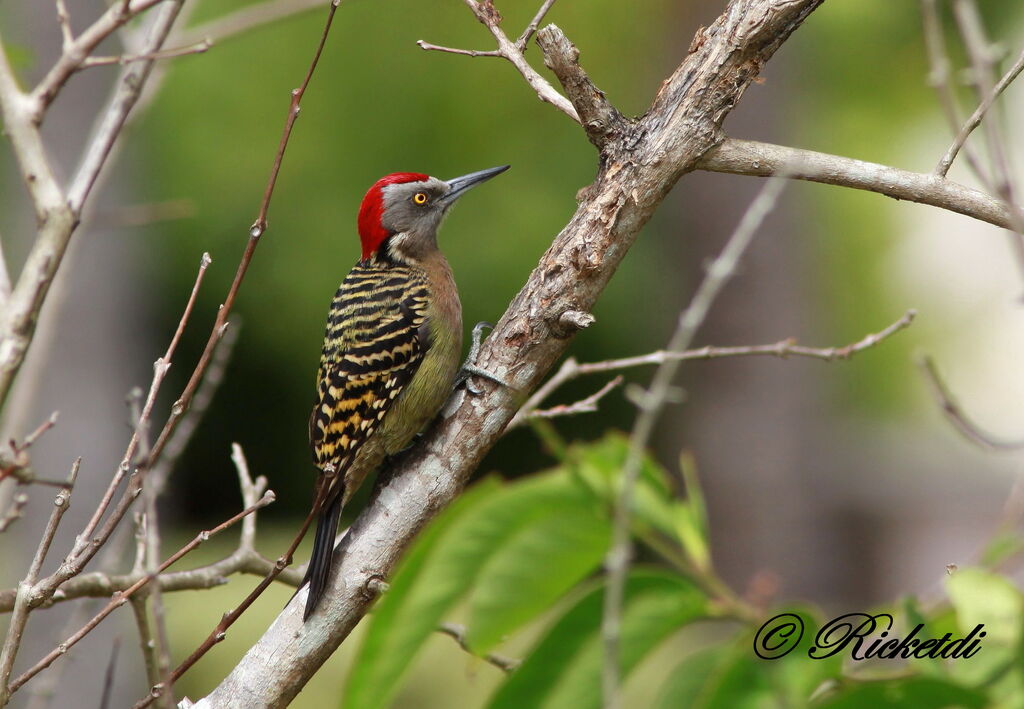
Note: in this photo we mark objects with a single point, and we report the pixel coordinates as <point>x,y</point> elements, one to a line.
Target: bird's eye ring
<point>420,198</point>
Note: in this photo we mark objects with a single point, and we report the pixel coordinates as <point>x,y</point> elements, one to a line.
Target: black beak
<point>459,185</point>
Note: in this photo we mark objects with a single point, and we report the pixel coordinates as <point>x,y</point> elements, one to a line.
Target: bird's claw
<point>469,369</point>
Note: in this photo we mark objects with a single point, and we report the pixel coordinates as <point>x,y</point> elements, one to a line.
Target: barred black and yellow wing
<point>373,346</point>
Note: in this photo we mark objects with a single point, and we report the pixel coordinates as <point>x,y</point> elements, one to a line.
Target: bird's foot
<point>469,369</point>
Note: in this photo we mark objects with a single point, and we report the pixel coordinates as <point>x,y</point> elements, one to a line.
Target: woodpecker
<point>391,349</point>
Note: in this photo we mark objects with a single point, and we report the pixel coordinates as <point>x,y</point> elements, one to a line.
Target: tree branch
<point>955,414</point>
<point>121,597</point>
<point>245,19</point>
<point>597,116</point>
<point>979,114</point>
<point>21,606</point>
<point>571,369</point>
<point>458,634</point>
<point>748,157</point>
<point>489,17</point>
<point>58,214</point>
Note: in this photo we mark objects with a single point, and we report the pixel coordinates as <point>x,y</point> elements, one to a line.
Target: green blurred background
<point>839,483</point>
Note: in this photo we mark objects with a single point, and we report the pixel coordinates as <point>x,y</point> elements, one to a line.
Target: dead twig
<point>122,59</point>
<point>14,512</point>
<point>23,599</point>
<point>571,369</point>
<point>583,406</point>
<point>108,677</point>
<point>220,631</point>
<point>941,79</point>
<point>458,633</point>
<point>982,57</point>
<point>121,597</point>
<point>19,466</point>
<point>955,414</point>
<point>976,118</point>
<point>486,13</point>
<point>90,541</point>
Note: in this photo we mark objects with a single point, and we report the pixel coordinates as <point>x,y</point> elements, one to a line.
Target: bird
<point>391,348</point>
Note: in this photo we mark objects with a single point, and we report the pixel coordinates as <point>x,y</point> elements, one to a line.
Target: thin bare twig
<point>464,52</point>
<point>14,512</point>
<point>941,79</point>
<point>85,547</point>
<point>127,90</point>
<point>979,114</point>
<point>486,13</point>
<point>151,556</point>
<point>100,584</point>
<point>457,632</point>
<point>650,402</point>
<point>244,559</point>
<point>22,602</point>
<point>121,597</point>
<point>982,59</point>
<point>108,677</point>
<point>571,369</point>
<point>524,38</point>
<point>64,20</point>
<point>244,19</point>
<point>78,50</point>
<point>251,491</point>
<point>122,59</point>
<point>147,643</point>
<point>158,474</point>
<point>220,631</point>
<point>583,406</point>
<point>19,466</point>
<point>955,414</point>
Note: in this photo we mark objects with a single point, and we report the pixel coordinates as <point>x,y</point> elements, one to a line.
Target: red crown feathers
<point>371,232</point>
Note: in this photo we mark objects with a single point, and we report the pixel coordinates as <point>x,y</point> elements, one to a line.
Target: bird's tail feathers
<point>321,559</point>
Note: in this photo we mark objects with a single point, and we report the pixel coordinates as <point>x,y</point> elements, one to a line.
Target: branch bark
<point>749,157</point>
<point>637,169</point>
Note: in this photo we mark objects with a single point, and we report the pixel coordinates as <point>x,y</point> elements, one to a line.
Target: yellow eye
<point>420,198</point>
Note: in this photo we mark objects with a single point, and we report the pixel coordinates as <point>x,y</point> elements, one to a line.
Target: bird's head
<point>400,214</point>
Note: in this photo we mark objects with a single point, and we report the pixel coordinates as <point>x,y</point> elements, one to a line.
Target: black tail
<point>323,555</point>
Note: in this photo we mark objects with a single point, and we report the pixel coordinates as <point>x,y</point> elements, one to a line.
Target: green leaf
<point>599,466</point>
<point>691,516</point>
<point>515,549</point>
<point>982,598</point>
<point>1001,548</point>
<point>932,667</point>
<point>533,569</point>
<point>717,676</point>
<point>915,693</point>
<point>564,670</point>
<point>723,677</point>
